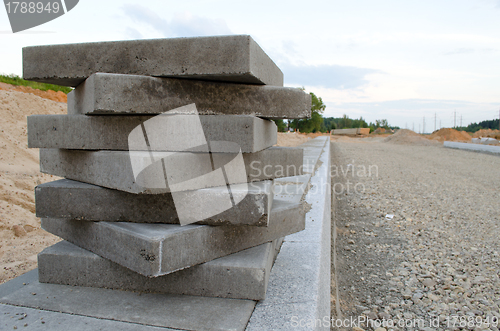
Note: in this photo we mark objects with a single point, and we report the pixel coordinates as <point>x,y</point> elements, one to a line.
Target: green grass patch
<point>18,81</point>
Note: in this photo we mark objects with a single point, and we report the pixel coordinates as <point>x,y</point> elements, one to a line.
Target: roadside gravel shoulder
<point>437,257</point>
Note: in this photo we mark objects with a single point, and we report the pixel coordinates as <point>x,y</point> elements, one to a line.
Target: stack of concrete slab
<point>169,165</point>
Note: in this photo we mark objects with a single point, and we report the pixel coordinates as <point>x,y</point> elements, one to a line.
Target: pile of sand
<point>447,134</point>
<point>21,238</point>
<point>51,95</point>
<point>408,137</point>
<point>483,133</point>
<point>291,139</point>
<point>379,130</point>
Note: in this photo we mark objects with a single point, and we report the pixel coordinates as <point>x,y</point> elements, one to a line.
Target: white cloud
<point>181,25</point>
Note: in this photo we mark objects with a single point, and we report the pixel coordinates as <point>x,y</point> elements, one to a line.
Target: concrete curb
<point>473,147</point>
<point>298,295</point>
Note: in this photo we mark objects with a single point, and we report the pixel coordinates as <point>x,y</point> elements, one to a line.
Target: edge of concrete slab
<point>232,58</point>
<point>473,147</point>
<point>298,295</point>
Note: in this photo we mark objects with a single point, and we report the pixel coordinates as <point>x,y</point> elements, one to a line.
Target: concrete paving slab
<point>242,275</point>
<point>144,309</point>
<point>76,200</point>
<point>159,249</point>
<point>18,282</point>
<point>12,318</point>
<point>114,94</point>
<point>43,320</point>
<point>113,169</point>
<point>168,132</point>
<point>291,189</point>
<point>221,58</point>
<point>299,286</point>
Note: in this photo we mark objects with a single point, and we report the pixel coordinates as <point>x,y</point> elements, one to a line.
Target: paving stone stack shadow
<point>147,120</point>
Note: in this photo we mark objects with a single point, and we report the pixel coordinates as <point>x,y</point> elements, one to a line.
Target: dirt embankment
<point>447,134</point>
<point>50,95</point>
<point>487,133</point>
<point>21,238</point>
<point>408,137</point>
<point>291,139</point>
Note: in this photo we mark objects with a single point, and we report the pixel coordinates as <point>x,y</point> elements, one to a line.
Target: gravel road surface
<point>417,237</point>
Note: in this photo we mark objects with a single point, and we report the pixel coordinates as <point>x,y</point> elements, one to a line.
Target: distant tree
<point>282,126</point>
<point>381,124</point>
<point>344,122</point>
<point>315,123</point>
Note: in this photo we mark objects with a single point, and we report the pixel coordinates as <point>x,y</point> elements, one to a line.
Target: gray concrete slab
<point>18,282</point>
<point>38,319</point>
<point>115,307</point>
<point>291,189</point>
<point>242,275</point>
<point>13,318</point>
<point>165,133</point>
<point>473,147</point>
<point>299,286</point>
<point>159,249</point>
<point>221,58</point>
<point>110,94</point>
<point>76,200</point>
<point>113,169</point>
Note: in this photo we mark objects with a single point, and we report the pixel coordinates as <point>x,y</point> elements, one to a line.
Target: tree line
<point>473,127</point>
<point>318,123</point>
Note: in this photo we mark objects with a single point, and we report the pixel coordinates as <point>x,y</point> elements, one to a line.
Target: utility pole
<point>419,128</point>
<point>435,118</point>
<point>455,119</point>
<point>460,120</point>
<point>440,124</point>
<point>423,126</point>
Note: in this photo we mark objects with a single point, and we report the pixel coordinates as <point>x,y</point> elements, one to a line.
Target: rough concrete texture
<point>222,58</point>
<point>113,308</point>
<point>242,275</point>
<point>473,147</point>
<point>159,249</point>
<point>113,169</point>
<point>43,320</point>
<point>168,132</point>
<point>111,94</point>
<point>291,188</point>
<point>304,261</point>
<point>76,200</point>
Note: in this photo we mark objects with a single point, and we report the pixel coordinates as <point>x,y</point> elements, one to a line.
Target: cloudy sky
<point>395,59</point>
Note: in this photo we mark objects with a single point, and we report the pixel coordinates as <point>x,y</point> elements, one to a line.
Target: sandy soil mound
<point>51,95</point>
<point>21,238</point>
<point>379,130</point>
<point>487,133</point>
<point>291,139</point>
<point>408,137</point>
<point>446,134</point>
